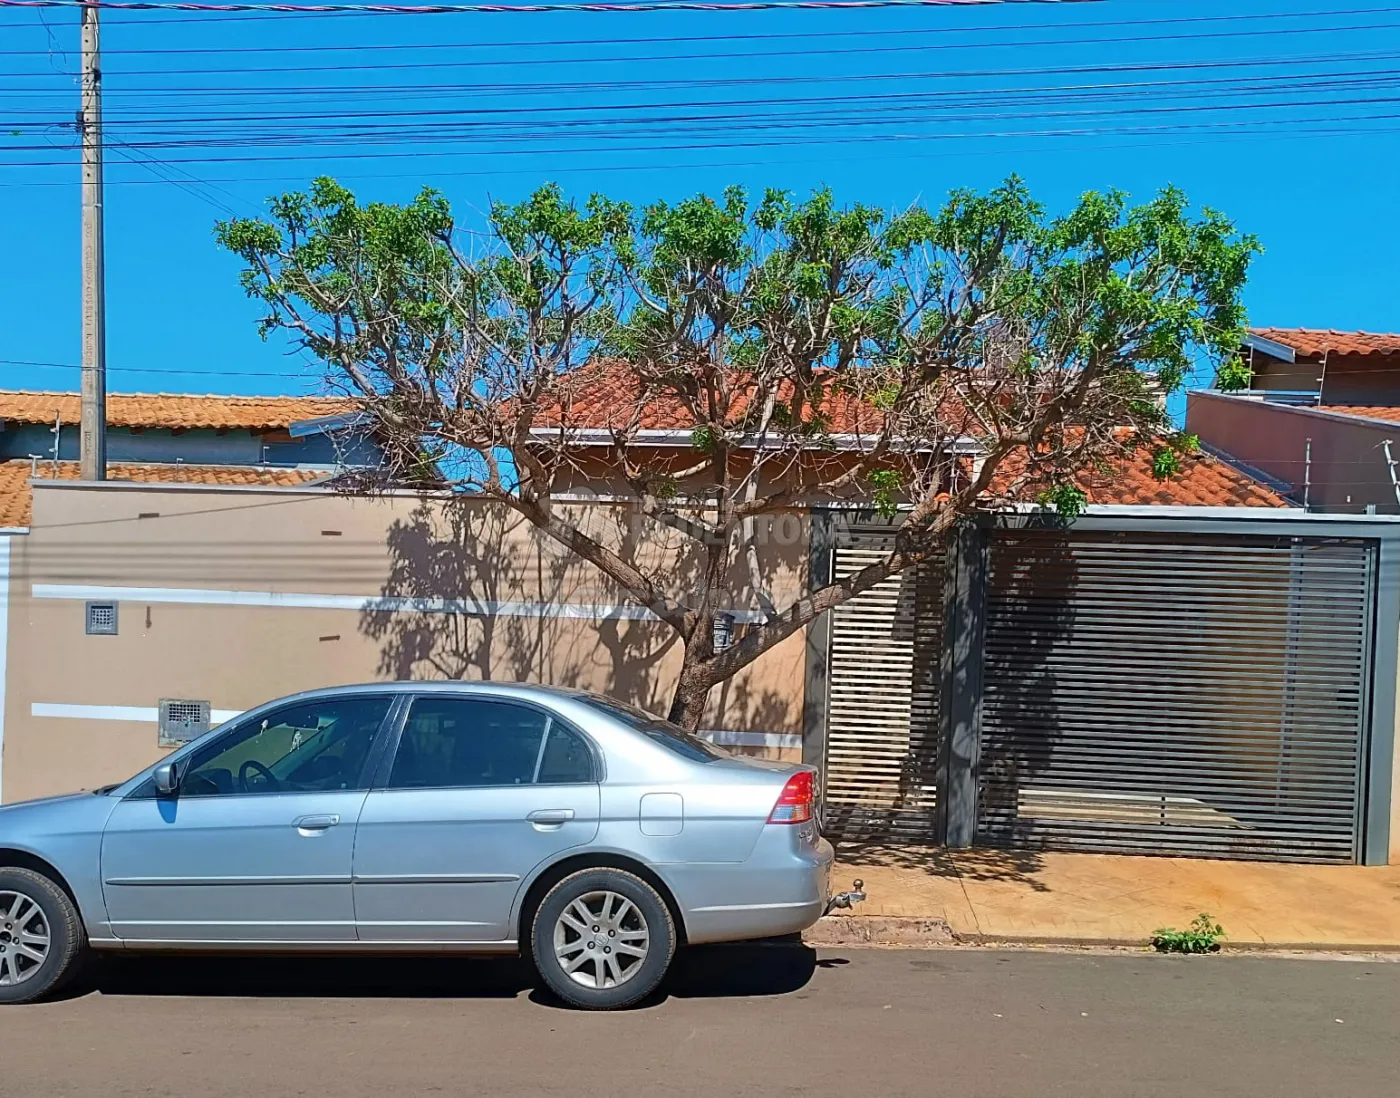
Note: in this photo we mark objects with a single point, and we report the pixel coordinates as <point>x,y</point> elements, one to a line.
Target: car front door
<point>479,792</point>
<point>258,841</point>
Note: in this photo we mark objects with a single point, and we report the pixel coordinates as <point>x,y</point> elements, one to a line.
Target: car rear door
<point>479,790</point>
<point>258,842</point>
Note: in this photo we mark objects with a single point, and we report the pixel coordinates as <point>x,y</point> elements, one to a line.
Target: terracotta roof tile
<point>604,397</point>
<point>16,502</point>
<point>1204,481</point>
<point>1389,413</point>
<point>1315,341</point>
<point>174,410</point>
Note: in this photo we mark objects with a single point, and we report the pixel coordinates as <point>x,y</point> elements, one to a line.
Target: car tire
<point>574,955</point>
<point>33,907</point>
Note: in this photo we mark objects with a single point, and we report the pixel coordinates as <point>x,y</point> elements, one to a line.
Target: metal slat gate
<point>1203,696</point>
<point>882,708</point>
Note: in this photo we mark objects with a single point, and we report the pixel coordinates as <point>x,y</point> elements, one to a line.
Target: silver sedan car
<point>421,817</point>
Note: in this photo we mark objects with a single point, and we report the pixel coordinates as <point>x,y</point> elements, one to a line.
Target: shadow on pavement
<point>978,863</point>
<point>747,969</point>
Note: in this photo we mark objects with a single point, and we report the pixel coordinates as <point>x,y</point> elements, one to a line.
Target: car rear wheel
<point>602,939</point>
<point>41,937</point>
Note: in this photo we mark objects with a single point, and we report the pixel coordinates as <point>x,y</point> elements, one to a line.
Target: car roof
<point>454,686</point>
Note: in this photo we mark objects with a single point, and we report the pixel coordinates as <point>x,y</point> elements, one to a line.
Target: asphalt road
<point>764,1020</point>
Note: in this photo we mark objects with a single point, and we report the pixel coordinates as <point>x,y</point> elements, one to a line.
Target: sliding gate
<point>1205,696</point>
<point>1153,693</point>
<point>880,777</point>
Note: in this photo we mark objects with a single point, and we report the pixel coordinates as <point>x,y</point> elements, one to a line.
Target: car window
<point>670,736</point>
<point>313,746</point>
<point>567,758</point>
<point>464,742</point>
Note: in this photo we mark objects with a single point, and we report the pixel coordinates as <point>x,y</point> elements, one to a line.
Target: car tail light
<point>794,804</point>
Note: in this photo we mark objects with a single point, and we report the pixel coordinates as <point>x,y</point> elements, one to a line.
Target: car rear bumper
<point>781,889</point>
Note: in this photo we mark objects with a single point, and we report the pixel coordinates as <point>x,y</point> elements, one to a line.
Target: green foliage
<point>1202,936</point>
<point>1166,463</point>
<point>703,438</point>
<point>1069,500</point>
<point>760,315</point>
<point>384,293</point>
<point>1234,374</point>
<point>886,485</point>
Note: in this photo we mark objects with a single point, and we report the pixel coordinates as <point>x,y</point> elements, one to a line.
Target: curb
<point>839,930</point>
<point>889,930</point>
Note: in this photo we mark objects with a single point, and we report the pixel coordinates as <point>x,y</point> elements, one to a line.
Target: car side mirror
<point>167,779</point>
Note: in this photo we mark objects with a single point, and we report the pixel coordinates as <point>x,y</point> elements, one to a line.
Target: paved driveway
<point>737,1021</point>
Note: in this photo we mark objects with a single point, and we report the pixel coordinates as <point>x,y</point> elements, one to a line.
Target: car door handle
<point>550,817</point>
<point>316,823</point>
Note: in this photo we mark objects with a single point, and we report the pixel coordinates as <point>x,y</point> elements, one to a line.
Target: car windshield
<point>670,736</point>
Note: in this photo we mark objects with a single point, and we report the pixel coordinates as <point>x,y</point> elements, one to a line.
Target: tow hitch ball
<point>847,899</point>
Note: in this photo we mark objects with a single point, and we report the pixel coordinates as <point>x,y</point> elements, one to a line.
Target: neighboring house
<point>1193,667</point>
<point>166,428</point>
<point>605,402</point>
<point>1320,419</point>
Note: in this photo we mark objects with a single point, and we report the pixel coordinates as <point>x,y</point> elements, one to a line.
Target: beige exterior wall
<point>195,546</point>
<point>1348,458</point>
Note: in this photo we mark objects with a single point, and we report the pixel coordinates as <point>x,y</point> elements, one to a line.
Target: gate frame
<point>965,593</point>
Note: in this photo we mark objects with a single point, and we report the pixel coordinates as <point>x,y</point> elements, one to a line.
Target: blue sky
<point>1279,114</point>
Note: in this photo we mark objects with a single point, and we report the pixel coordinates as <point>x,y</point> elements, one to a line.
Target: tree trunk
<point>692,691</point>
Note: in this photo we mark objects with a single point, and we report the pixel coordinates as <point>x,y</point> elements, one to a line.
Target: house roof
<point>604,398</point>
<point>1204,481</point>
<point>175,411</point>
<point>1388,413</point>
<point>1316,341</point>
<point>16,498</point>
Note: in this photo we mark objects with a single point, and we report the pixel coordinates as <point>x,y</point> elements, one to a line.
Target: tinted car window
<point>463,742</point>
<point>567,758</point>
<point>670,736</point>
<point>313,746</point>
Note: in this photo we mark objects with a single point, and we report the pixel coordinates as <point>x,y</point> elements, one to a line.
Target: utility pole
<point>92,443</point>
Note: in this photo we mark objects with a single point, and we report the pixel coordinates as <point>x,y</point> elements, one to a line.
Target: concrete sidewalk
<point>997,895</point>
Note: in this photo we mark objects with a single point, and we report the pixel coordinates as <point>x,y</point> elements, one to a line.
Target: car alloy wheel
<point>24,938</point>
<point>601,940</point>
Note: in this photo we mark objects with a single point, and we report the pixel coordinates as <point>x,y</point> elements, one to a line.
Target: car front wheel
<point>41,937</point>
<point>603,939</point>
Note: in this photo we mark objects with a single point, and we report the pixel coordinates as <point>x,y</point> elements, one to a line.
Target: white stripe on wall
<point>4,647</point>
<point>194,596</point>
<point>141,713</point>
<point>728,738</point>
<point>150,715</point>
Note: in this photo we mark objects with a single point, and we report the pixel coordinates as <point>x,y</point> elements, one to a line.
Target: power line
<point>155,370</point>
<point>558,87</point>
<point>360,123</point>
<point>769,115</point>
<point>523,9</point>
<point>1369,132</point>
<point>1258,17</point>
<point>595,59</point>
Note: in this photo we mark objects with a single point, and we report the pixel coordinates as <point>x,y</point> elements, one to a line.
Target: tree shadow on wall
<point>474,591</point>
<point>1032,580</point>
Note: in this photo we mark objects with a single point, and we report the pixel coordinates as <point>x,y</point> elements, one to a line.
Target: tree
<point>935,362</point>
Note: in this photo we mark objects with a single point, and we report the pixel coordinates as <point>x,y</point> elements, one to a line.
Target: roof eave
<point>679,436</point>
<point>1270,347</point>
